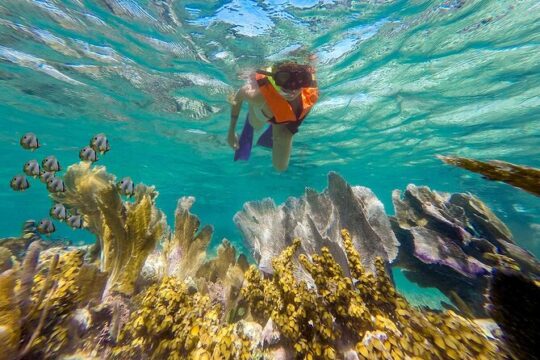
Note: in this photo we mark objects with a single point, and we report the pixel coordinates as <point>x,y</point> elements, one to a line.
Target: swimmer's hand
<point>232,139</point>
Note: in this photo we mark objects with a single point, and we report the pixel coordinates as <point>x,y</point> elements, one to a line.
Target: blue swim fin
<point>266,138</point>
<point>245,142</point>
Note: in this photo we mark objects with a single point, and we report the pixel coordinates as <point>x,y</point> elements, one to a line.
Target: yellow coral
<point>62,300</point>
<point>363,312</point>
<point>10,316</point>
<point>171,323</point>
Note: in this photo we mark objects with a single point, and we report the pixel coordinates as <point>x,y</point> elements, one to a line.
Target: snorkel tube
<point>270,76</point>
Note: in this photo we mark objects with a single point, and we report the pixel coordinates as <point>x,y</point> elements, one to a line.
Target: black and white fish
<point>58,211</point>
<point>55,185</point>
<point>75,221</point>
<point>126,186</point>
<point>31,168</point>
<point>29,141</point>
<point>19,183</point>
<point>46,226</point>
<point>45,176</point>
<point>100,143</point>
<point>88,154</point>
<point>50,163</point>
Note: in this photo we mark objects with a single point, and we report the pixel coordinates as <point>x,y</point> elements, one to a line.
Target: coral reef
<point>10,316</point>
<point>185,251</point>
<point>316,219</point>
<point>127,232</point>
<point>520,176</point>
<point>172,322</point>
<point>452,241</point>
<point>361,315</point>
<point>153,294</point>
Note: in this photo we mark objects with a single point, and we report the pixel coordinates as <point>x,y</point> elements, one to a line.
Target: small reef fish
<point>100,143</point>
<point>46,226</point>
<point>50,163</point>
<point>88,154</point>
<point>126,186</point>
<point>31,168</point>
<point>58,211</point>
<point>75,221</point>
<point>19,183</point>
<point>45,176</point>
<point>55,185</point>
<point>29,141</point>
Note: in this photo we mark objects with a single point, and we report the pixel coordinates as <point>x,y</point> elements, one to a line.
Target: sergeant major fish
<point>46,226</point>
<point>58,211</point>
<point>29,141</point>
<point>55,185</point>
<point>45,176</point>
<point>75,221</point>
<point>126,186</point>
<point>100,143</point>
<point>88,154</point>
<point>50,163</point>
<point>31,168</point>
<point>19,183</point>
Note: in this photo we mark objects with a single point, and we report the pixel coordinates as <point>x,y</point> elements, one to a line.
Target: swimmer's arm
<point>248,92</point>
<point>236,106</point>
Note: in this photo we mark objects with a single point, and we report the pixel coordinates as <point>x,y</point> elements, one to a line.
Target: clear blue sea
<point>400,81</point>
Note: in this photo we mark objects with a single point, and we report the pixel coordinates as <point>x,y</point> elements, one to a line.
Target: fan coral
<point>185,251</point>
<point>127,232</point>
<point>362,312</point>
<point>316,219</point>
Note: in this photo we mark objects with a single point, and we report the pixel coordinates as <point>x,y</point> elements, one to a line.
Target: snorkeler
<point>282,96</point>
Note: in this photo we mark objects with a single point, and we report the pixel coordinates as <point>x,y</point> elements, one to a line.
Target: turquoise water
<point>400,82</point>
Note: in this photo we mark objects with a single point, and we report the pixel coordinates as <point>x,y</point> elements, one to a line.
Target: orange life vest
<point>281,109</point>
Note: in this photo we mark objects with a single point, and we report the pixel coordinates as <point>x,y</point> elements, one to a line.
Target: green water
<point>400,82</point>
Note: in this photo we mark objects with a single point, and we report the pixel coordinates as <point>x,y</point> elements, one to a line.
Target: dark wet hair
<point>291,75</point>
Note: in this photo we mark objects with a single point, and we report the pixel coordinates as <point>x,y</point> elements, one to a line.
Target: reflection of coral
<point>345,314</point>
<point>173,323</point>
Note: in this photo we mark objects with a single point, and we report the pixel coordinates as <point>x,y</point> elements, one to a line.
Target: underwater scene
<point>270,179</point>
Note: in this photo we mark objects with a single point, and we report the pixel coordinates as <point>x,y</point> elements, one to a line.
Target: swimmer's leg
<point>282,145</point>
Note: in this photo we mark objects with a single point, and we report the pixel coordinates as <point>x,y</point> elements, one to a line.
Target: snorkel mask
<point>291,77</point>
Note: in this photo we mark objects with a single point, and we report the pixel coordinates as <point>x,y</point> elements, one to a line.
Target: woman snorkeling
<point>282,95</point>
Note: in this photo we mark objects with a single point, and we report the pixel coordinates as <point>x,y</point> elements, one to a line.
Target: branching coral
<point>10,316</point>
<point>128,242</point>
<point>185,251</point>
<point>127,232</point>
<point>173,323</point>
<point>61,300</point>
<point>362,312</point>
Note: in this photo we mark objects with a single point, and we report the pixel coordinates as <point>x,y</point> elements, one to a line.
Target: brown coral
<point>363,313</point>
<point>172,323</point>
<point>127,232</point>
